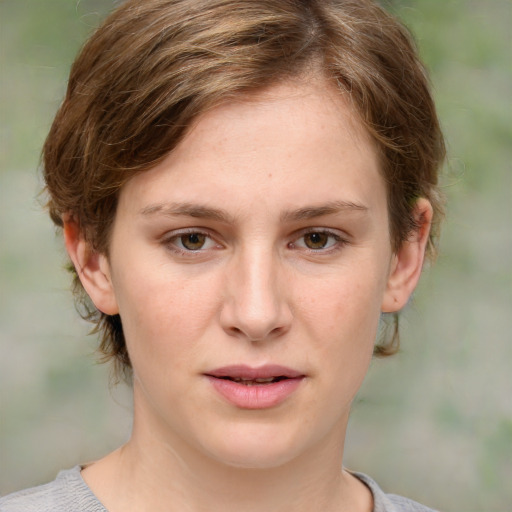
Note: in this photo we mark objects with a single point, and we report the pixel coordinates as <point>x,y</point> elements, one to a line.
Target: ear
<point>407,263</point>
<point>92,268</point>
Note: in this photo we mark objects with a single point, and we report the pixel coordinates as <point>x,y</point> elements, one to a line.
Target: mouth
<point>253,382</point>
<point>255,388</point>
<point>247,375</point>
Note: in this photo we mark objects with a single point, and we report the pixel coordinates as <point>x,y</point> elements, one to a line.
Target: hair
<point>154,66</point>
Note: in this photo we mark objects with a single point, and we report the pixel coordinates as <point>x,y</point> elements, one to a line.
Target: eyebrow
<point>220,215</point>
<point>189,210</point>
<point>330,208</point>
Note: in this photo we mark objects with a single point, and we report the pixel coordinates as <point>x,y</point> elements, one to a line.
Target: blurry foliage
<point>433,423</point>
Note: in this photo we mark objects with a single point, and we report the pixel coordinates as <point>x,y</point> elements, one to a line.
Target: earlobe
<point>92,268</point>
<point>407,263</point>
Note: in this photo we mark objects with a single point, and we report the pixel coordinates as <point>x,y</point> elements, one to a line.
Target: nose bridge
<point>256,306</point>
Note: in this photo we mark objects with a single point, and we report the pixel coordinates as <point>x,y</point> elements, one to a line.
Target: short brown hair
<point>154,66</point>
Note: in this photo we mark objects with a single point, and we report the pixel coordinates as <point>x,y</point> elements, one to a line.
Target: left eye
<point>317,240</point>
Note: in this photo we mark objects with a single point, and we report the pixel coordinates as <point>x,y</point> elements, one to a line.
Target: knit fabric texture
<point>69,493</point>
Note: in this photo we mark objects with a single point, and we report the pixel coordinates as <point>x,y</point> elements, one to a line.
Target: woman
<point>244,189</point>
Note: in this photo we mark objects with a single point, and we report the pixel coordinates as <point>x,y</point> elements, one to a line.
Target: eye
<point>316,240</point>
<point>319,240</point>
<point>192,241</point>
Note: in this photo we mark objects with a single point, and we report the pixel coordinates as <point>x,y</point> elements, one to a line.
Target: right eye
<point>318,240</point>
<point>193,241</point>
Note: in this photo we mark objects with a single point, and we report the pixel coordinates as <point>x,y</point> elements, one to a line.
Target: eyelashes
<point>197,242</point>
<point>193,241</point>
<point>318,240</point>
<point>190,242</point>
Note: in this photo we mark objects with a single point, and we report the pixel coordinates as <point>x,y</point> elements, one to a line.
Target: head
<point>154,68</point>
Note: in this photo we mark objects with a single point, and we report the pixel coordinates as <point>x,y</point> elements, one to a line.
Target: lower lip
<point>257,396</point>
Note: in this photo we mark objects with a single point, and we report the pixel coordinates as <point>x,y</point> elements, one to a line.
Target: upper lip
<point>241,371</point>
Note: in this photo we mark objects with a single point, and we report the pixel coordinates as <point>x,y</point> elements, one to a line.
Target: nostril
<point>255,336</point>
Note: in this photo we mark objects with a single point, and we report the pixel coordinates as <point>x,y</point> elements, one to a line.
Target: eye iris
<point>316,240</point>
<point>193,241</point>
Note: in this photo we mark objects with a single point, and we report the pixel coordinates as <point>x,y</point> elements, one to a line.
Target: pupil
<point>193,241</point>
<point>316,240</point>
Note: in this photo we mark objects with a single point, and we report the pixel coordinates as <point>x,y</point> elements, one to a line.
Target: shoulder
<point>390,502</point>
<point>67,493</point>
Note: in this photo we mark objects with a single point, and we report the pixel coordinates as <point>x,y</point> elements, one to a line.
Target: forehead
<point>293,142</point>
<point>301,114</point>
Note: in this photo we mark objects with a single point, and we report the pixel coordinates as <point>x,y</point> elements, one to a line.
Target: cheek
<point>342,316</point>
<point>165,311</point>
<point>344,301</point>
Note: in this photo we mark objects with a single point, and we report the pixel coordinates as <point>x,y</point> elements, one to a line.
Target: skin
<point>292,265</point>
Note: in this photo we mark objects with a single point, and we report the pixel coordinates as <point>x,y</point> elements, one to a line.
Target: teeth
<point>251,382</point>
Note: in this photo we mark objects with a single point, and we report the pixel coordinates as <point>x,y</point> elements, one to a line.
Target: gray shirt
<point>69,493</point>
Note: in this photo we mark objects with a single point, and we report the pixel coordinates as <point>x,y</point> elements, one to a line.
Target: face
<point>250,269</point>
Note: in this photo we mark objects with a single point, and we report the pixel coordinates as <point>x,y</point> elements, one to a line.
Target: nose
<point>255,306</point>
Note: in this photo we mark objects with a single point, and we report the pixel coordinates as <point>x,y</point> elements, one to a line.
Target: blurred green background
<point>433,423</point>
